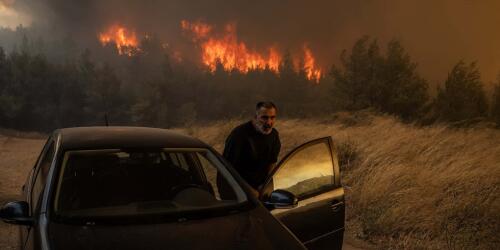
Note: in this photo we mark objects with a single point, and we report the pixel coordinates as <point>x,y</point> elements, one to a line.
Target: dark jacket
<point>252,153</point>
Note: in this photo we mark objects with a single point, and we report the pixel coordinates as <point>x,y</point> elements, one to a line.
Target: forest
<point>48,85</point>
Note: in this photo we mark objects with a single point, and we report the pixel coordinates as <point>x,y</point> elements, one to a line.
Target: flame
<point>232,53</point>
<point>228,50</point>
<point>198,29</point>
<point>312,70</point>
<point>125,40</point>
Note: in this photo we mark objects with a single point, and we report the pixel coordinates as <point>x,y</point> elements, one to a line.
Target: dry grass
<point>408,187</point>
<point>17,157</point>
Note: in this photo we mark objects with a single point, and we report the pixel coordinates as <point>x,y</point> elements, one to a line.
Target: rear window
<point>120,182</point>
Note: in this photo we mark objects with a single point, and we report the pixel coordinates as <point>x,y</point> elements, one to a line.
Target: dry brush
<point>408,186</point>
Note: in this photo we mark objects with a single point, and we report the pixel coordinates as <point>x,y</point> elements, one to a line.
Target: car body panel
<point>318,219</point>
<point>240,229</point>
<point>131,137</point>
<point>254,229</point>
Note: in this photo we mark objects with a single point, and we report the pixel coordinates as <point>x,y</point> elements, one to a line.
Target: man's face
<point>264,120</point>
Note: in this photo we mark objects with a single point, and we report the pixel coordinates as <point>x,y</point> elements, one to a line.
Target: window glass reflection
<point>308,171</point>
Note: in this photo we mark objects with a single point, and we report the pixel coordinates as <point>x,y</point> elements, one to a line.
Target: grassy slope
<point>408,187</point>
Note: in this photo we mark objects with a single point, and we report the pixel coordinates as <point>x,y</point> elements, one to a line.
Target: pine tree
<point>388,83</point>
<point>462,97</point>
<point>351,81</point>
<point>402,91</point>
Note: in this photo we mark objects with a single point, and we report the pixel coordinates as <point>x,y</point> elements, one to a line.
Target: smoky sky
<point>436,33</point>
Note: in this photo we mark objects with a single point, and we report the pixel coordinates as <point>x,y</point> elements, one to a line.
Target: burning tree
<point>231,53</point>
<point>125,40</point>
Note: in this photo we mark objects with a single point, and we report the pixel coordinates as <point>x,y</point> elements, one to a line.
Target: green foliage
<point>401,90</point>
<point>389,83</point>
<point>38,95</point>
<point>352,84</point>
<point>293,88</point>
<point>103,95</point>
<point>42,90</point>
<point>462,97</point>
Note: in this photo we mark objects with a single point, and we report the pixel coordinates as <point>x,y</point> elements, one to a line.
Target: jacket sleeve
<point>276,148</point>
<point>233,149</point>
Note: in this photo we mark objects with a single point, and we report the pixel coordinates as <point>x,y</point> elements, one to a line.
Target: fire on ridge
<point>124,39</point>
<point>228,50</point>
<point>232,53</point>
<point>219,47</point>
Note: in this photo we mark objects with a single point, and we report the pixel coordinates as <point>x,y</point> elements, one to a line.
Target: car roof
<point>124,137</point>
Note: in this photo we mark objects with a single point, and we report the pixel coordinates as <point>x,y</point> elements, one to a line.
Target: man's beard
<point>262,128</point>
<point>266,129</point>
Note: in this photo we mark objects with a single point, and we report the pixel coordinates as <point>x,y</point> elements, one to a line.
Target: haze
<point>437,33</point>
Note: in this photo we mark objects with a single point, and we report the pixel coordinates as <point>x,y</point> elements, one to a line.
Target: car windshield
<point>121,182</point>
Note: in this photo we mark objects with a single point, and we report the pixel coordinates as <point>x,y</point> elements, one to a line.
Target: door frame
<point>265,189</point>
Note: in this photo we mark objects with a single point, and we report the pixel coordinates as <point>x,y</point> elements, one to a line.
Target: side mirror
<point>281,199</point>
<point>16,212</point>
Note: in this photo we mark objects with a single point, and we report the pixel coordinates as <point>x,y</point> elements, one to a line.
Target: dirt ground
<point>17,157</point>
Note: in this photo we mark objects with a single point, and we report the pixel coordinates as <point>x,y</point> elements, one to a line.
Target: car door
<point>27,191</point>
<point>311,172</point>
<point>35,191</point>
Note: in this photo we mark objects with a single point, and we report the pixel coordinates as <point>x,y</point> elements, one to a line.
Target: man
<point>253,147</point>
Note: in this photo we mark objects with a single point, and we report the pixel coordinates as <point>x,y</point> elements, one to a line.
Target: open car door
<point>311,172</point>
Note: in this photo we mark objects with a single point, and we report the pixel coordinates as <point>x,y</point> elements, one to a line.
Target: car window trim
<point>296,150</point>
<point>33,172</point>
<point>36,174</point>
<point>243,201</point>
<point>200,170</point>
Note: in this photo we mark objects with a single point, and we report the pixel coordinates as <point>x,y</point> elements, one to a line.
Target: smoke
<point>6,2</point>
<point>10,16</point>
<point>436,33</point>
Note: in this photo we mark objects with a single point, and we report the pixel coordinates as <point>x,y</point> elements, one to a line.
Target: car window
<point>41,176</point>
<point>308,171</point>
<point>211,173</point>
<point>179,160</point>
<point>122,182</point>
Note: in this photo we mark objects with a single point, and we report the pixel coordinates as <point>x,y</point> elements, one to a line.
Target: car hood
<point>255,229</point>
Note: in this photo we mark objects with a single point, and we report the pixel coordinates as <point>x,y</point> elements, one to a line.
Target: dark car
<point>147,188</point>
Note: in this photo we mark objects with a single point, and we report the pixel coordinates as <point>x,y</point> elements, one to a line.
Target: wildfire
<point>232,54</point>
<point>312,70</point>
<point>198,29</point>
<point>125,40</point>
<point>222,48</point>
<point>228,50</point>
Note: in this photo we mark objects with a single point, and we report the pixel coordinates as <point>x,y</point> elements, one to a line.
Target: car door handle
<point>337,205</point>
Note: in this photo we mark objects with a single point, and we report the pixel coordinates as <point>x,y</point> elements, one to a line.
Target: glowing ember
<point>200,30</point>
<point>125,40</point>
<point>232,54</point>
<point>312,70</point>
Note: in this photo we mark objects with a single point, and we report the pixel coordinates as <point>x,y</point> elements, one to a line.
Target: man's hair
<point>266,105</point>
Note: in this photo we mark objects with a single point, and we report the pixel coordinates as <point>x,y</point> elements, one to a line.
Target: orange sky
<point>437,33</point>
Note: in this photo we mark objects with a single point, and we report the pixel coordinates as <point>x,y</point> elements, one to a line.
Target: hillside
<point>407,186</point>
